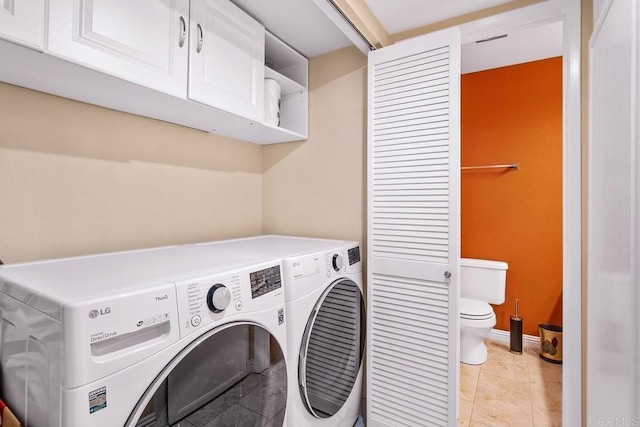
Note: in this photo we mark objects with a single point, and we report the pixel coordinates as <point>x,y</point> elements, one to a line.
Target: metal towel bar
<point>512,166</point>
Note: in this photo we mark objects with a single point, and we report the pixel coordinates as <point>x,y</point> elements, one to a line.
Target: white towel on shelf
<point>271,102</point>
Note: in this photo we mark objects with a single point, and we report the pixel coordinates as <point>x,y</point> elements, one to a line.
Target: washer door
<point>331,351</point>
<point>232,375</point>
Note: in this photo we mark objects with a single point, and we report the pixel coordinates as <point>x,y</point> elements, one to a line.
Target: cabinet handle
<point>183,32</point>
<point>200,39</point>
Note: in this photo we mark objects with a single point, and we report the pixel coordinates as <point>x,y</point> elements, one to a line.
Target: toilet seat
<point>472,309</point>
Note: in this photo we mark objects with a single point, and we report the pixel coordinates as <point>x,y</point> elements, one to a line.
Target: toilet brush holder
<point>515,330</point>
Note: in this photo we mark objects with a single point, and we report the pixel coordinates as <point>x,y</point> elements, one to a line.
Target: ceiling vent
<point>490,39</point>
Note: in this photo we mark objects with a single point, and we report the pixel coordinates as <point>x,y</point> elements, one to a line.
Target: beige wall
<point>78,179</point>
<point>317,188</point>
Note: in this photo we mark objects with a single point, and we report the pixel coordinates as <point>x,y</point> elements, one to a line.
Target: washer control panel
<point>209,298</point>
<point>265,281</point>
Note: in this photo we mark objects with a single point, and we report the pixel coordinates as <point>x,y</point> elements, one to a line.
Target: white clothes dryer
<point>326,324</point>
<point>163,337</point>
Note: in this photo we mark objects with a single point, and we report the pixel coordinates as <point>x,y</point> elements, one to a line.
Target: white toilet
<point>481,282</point>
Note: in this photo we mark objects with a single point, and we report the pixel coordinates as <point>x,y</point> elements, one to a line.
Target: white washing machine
<point>170,336</point>
<point>325,324</point>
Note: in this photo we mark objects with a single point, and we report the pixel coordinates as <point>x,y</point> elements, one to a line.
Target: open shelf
<point>287,86</point>
<point>290,69</point>
<point>285,60</point>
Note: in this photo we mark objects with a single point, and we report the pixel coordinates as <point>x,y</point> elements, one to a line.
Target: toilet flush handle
<point>447,275</point>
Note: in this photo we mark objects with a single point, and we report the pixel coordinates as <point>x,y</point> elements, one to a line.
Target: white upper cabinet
<point>226,62</point>
<point>143,41</point>
<point>197,63</point>
<point>23,22</point>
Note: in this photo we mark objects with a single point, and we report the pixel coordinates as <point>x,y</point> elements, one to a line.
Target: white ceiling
<point>302,25</point>
<point>299,23</point>
<point>401,15</point>
<point>527,45</point>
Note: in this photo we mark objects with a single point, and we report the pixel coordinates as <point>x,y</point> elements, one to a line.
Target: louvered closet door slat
<point>411,99</point>
<point>413,208</point>
<point>431,82</point>
<point>399,65</point>
<point>408,107</point>
<point>427,138</point>
<point>434,94</point>
<point>427,69</point>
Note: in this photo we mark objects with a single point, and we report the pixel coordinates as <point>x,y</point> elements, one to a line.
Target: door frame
<point>567,11</point>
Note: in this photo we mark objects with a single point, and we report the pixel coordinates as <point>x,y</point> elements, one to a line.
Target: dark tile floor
<point>259,400</point>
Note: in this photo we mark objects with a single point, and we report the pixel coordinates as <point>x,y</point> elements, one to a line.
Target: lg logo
<point>95,313</point>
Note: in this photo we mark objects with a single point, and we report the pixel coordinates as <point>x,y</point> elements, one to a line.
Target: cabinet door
<point>144,41</point>
<point>23,22</point>
<point>226,65</point>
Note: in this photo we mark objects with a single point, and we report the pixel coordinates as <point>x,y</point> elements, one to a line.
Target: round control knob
<point>337,262</point>
<point>218,298</point>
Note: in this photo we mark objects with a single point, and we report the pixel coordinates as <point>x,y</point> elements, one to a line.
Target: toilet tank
<point>483,280</point>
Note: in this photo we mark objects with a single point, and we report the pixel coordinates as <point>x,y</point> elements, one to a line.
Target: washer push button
<point>195,321</point>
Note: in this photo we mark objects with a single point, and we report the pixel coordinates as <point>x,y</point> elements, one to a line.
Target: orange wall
<point>514,114</point>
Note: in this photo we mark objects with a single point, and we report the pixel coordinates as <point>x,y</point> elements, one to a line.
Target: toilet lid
<point>474,309</point>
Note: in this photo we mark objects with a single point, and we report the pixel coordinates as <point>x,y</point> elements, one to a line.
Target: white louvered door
<point>413,232</point>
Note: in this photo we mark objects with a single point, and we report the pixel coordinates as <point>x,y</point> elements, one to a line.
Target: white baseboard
<point>504,336</point>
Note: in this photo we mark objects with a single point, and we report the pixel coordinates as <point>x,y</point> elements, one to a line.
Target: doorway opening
<point>568,13</point>
<point>511,114</point>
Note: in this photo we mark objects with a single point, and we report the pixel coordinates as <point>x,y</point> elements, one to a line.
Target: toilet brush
<point>516,332</point>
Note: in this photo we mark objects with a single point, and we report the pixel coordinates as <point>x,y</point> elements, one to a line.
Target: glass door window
<point>232,376</point>
<point>332,348</point>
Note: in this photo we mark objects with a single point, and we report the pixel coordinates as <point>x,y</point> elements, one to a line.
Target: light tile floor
<point>511,390</point>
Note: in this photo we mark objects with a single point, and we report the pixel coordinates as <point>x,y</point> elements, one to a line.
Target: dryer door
<point>232,375</point>
<point>331,351</point>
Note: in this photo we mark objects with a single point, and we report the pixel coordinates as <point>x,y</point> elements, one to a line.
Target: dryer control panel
<point>206,299</point>
<point>305,273</point>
